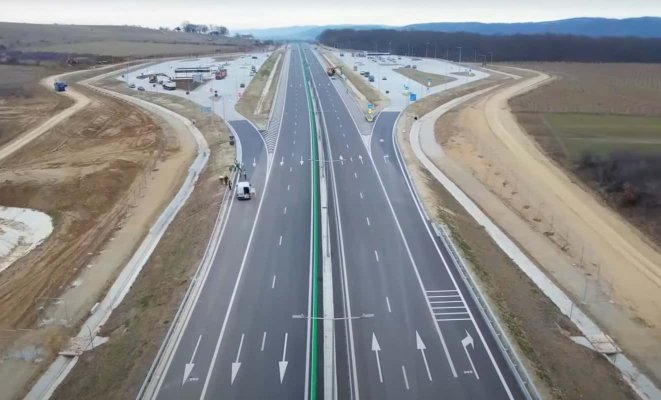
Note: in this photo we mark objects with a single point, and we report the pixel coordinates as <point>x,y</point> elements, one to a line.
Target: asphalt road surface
<point>416,334</point>
<point>241,341</point>
<point>426,339</point>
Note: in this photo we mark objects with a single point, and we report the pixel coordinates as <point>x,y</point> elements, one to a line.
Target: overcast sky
<point>241,14</point>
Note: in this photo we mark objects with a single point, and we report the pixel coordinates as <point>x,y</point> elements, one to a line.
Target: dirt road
<point>80,101</point>
<point>597,256</point>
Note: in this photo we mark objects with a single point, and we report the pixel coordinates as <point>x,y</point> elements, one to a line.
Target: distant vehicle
<point>244,191</point>
<point>242,85</point>
<point>341,54</point>
<point>254,57</point>
<point>60,86</point>
<point>355,68</point>
<point>384,79</point>
<point>221,74</point>
<point>371,78</point>
<point>160,82</point>
<point>407,66</point>
<point>169,85</point>
<point>140,88</point>
<point>153,78</point>
<point>132,86</point>
<point>414,66</point>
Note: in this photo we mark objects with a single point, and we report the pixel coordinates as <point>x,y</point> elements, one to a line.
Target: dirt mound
<point>82,173</point>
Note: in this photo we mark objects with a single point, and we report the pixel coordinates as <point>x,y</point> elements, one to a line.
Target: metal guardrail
<point>504,345</point>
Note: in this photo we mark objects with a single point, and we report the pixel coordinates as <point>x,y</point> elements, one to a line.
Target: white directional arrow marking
<point>236,364</point>
<point>282,365</point>
<point>376,349</point>
<point>385,158</point>
<point>254,162</point>
<point>361,158</point>
<point>420,345</point>
<point>189,366</point>
<point>468,341</point>
<point>302,160</point>
<point>282,161</point>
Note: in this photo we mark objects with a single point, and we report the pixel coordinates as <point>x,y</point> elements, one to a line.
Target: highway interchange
<point>405,325</point>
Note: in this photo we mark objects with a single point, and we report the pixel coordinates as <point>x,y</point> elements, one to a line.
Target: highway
<point>406,327</point>
<point>426,338</point>
<point>240,341</point>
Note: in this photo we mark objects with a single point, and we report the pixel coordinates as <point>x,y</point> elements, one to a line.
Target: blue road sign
<point>412,97</point>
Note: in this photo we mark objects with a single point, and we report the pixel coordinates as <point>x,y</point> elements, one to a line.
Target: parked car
<point>384,79</point>
<point>132,86</point>
<point>242,85</point>
<point>140,88</point>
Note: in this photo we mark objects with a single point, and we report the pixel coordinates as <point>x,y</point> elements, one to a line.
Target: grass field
<point>604,134</point>
<point>115,41</point>
<point>425,77</point>
<point>120,48</point>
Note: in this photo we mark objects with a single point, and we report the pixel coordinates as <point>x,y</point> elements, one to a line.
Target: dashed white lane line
<point>347,144</point>
<point>287,187</point>
<point>263,341</point>
<point>368,220</point>
<point>388,304</point>
<point>355,175</point>
<point>406,380</point>
<point>290,169</point>
<point>361,195</point>
<point>376,255</point>
<point>280,241</point>
<point>285,211</point>
<point>273,283</point>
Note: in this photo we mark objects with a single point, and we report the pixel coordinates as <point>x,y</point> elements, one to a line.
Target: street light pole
<point>459,47</point>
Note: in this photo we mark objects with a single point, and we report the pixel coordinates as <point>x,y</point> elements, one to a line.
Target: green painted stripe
<point>315,241</point>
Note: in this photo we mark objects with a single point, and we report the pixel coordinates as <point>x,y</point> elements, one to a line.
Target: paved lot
<point>400,86</point>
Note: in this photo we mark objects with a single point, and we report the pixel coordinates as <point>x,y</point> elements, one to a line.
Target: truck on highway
<point>244,191</point>
<point>169,85</point>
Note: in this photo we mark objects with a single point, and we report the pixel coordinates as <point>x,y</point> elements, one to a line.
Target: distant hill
<point>111,40</point>
<point>644,27</point>
<point>305,32</point>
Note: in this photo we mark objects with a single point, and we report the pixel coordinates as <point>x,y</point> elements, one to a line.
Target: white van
<point>244,191</point>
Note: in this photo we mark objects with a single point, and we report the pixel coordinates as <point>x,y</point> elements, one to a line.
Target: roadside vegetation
<point>247,104</point>
<point>425,78</point>
<point>603,123</point>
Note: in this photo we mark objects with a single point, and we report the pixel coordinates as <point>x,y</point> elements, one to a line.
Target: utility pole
<point>426,49</point>
<point>390,47</point>
<point>435,49</point>
<point>475,56</point>
<point>447,53</point>
<point>459,47</point>
<point>491,54</point>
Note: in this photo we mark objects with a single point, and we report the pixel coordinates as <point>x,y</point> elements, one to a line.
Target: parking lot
<point>399,87</point>
<point>229,89</point>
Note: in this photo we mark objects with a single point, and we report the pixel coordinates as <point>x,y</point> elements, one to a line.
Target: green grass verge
<point>425,77</point>
<point>604,134</point>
